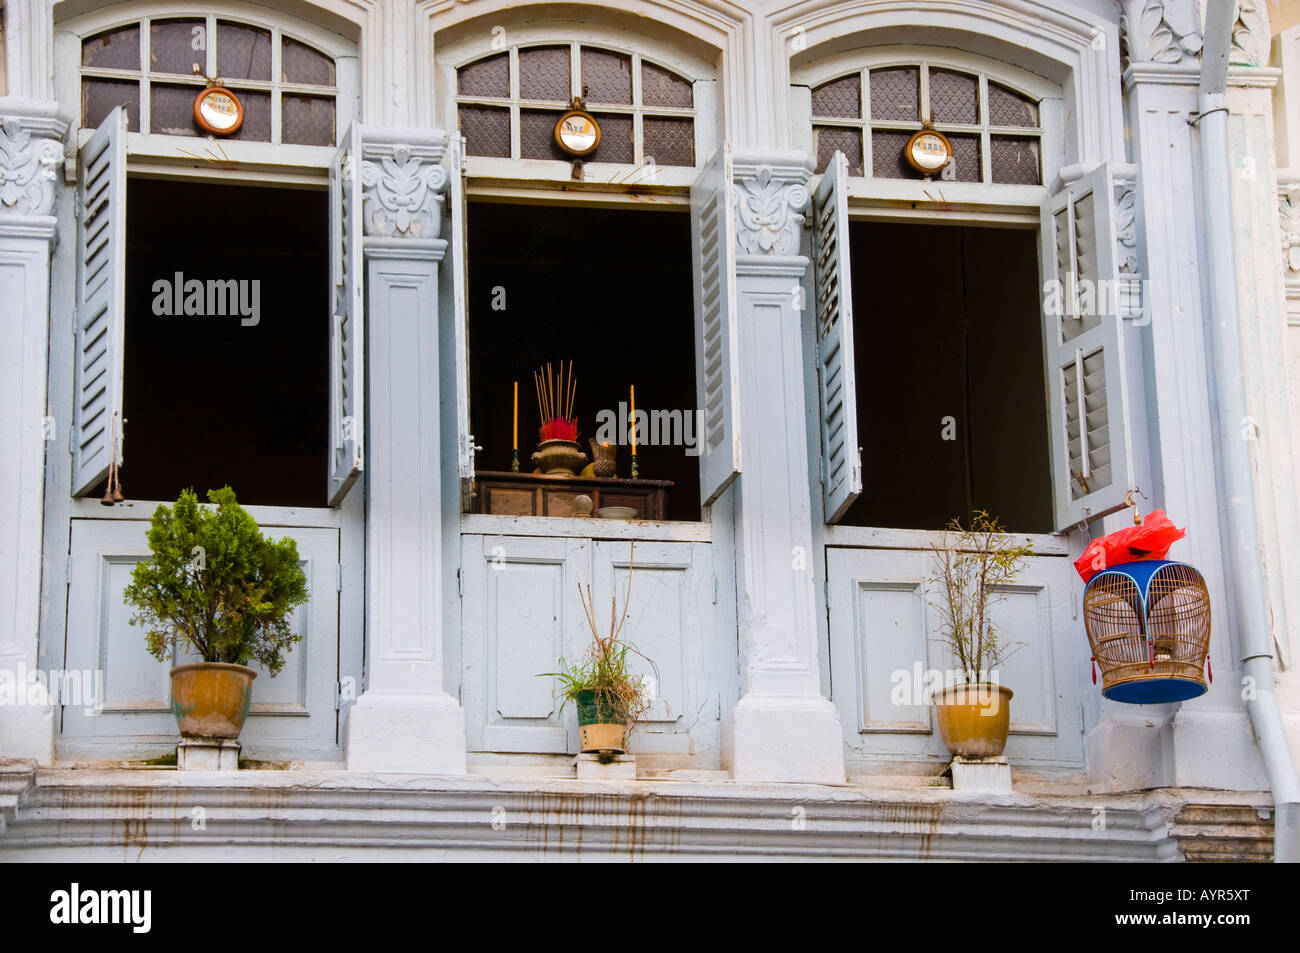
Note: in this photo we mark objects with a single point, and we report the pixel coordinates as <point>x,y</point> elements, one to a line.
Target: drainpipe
<point>1241,530</point>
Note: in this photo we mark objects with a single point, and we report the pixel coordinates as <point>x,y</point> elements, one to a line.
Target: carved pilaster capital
<point>31,157</point>
<point>402,182</point>
<point>1160,31</point>
<point>1251,35</point>
<point>771,195</point>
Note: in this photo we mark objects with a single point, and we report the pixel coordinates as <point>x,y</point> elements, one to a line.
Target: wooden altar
<point>503,493</point>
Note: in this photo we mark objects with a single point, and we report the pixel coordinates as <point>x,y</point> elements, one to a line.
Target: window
<point>528,266</point>
<point>870,114</point>
<point>507,104</point>
<point>154,68</point>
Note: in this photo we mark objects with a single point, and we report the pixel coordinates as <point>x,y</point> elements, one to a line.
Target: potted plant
<point>217,587</point>
<point>975,565</point>
<point>609,697</point>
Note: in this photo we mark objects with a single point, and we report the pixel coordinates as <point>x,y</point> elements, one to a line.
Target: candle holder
<point>635,470</point>
<point>514,462</point>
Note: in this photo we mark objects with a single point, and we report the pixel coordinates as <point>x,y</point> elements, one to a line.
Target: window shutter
<point>101,303</point>
<point>459,301</point>
<point>1087,390</point>
<point>836,378</point>
<point>713,248</point>
<point>347,321</point>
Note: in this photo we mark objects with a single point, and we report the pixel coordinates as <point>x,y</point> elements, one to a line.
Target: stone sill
<point>137,813</point>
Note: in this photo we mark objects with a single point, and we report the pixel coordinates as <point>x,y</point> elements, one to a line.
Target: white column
<point>1261,302</point>
<point>1207,741</point>
<point>783,728</point>
<point>31,160</point>
<point>404,720</point>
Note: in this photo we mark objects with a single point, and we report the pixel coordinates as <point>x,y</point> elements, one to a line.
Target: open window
<point>606,288</point>
<point>965,380</point>
<point>185,327</point>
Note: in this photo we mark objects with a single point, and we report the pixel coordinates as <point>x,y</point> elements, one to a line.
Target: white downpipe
<point>1241,531</point>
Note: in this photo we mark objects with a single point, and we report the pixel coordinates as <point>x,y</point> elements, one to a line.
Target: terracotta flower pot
<point>974,719</point>
<point>211,699</point>
<point>596,732</point>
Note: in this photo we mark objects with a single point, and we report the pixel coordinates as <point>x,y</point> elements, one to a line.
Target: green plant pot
<point>590,713</point>
<point>600,729</point>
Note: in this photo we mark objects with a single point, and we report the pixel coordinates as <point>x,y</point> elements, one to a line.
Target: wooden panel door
<point>293,715</point>
<point>885,640</point>
<point>520,615</point>
<point>670,612</point>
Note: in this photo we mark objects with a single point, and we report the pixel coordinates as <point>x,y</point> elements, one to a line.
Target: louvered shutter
<point>836,378</point>
<point>347,321</point>
<point>101,303</point>
<point>458,253</point>
<point>1087,399</point>
<point>713,248</point>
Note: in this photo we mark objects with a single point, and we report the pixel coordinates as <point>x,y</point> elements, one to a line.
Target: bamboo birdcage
<point>1148,624</point>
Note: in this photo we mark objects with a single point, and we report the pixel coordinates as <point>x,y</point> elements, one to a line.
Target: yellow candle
<point>634,420</point>
<point>515,445</point>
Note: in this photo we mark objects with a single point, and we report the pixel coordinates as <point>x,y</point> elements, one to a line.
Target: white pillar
<point>404,721</point>
<point>783,728</point>
<point>31,162</point>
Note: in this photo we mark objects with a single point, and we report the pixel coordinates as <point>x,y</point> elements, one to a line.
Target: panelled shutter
<point>347,321</point>
<point>101,303</point>
<point>1091,445</point>
<point>458,240</point>
<point>836,377</point>
<point>713,249</point>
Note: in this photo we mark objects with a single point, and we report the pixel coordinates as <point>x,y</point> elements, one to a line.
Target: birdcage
<point>1149,626</point>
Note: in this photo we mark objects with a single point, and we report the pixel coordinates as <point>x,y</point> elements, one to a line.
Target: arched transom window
<point>155,66</point>
<point>507,104</point>
<point>870,114</point>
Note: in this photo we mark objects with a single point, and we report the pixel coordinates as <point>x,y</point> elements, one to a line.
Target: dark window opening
<point>214,399</point>
<point>952,408</point>
<point>608,289</point>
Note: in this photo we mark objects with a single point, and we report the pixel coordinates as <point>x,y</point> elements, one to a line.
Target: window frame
<point>984,202</point>
<point>503,177</point>
<point>199,156</point>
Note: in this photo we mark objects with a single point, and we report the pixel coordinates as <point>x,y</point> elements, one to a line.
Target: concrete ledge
<point>145,814</point>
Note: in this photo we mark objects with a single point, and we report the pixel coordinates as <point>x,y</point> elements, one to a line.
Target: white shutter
<point>101,303</point>
<point>713,248</point>
<point>1087,390</point>
<point>459,279</point>
<point>347,321</point>
<point>836,378</point>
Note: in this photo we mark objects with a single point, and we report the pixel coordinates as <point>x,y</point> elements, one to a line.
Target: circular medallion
<point>928,151</point>
<point>217,110</point>
<point>577,133</point>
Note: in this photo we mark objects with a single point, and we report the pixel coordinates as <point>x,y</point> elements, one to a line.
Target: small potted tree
<point>217,587</point>
<point>974,566</point>
<point>609,697</point>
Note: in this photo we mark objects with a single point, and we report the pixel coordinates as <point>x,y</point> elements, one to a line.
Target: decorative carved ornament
<point>769,213</point>
<point>401,194</point>
<point>1126,226</point>
<point>1288,202</point>
<point>1160,31</point>
<point>1251,35</point>
<point>28,169</point>
<point>1170,31</point>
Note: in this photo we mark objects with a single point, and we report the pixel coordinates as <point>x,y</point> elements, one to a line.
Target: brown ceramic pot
<point>974,719</point>
<point>211,699</point>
